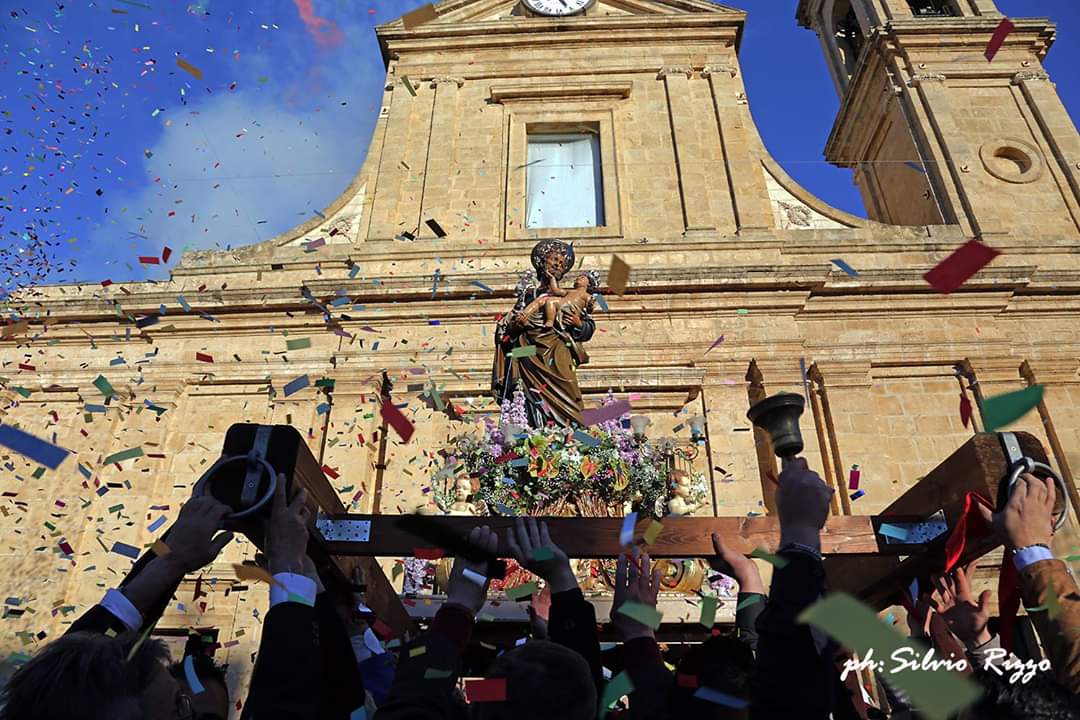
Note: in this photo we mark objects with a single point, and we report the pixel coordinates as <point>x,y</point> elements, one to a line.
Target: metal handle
<point>256,504</point>
<point>1020,464</point>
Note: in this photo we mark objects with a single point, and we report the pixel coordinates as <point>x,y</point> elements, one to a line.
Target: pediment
<point>478,11</point>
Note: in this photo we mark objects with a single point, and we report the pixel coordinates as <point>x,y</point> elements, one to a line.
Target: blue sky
<point>111,151</point>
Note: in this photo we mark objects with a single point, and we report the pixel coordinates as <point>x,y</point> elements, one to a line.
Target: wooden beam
<point>682,537</point>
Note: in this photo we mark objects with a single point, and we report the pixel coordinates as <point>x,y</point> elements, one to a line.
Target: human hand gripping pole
<point>531,546</point>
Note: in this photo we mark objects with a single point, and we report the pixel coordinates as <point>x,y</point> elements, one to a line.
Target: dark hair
<point>723,663</point>
<point>84,676</point>
<point>1041,698</point>
<point>543,681</point>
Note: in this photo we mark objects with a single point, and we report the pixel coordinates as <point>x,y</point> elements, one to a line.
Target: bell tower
<point>938,134</point>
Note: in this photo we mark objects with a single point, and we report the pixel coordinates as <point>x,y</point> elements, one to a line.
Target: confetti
<point>473,576</point>
<point>482,286</point>
<point>428,553</point>
<point>38,450</point>
<point>955,270</point>
<point>618,275</point>
<point>893,531</point>
<point>521,591</point>
<point>417,17</point>
<point>715,696</point>
<point>298,343</point>
<point>485,690</point>
<point>408,85</point>
<point>1001,410</point>
<point>128,551</point>
<point>715,343</point>
<point>749,600</point>
<point>435,228</point>
<point>774,560</point>
<point>708,611</point>
<point>853,478</point>
<point>103,386</point>
<point>937,695</point>
<point>255,573</point>
<point>1002,31</point>
<point>626,534</point>
<point>397,420</point>
<point>540,554</point>
<point>128,454</point>
<point>617,687</point>
<point>857,494</point>
<point>295,386</point>
<point>591,416</point>
<point>965,409</point>
<point>845,267</point>
<point>644,614</point>
<point>203,357</point>
<point>192,679</point>
<point>653,531</point>
<point>520,352</point>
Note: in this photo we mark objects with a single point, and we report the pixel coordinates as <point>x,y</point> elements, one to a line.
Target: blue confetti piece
<point>508,481</point>
<point>323,408</point>
<point>359,713</point>
<point>156,524</point>
<point>191,677</point>
<point>845,267</point>
<point>354,271</point>
<point>338,302</point>
<point>85,471</point>
<point>519,462</point>
<point>183,303</point>
<point>601,302</point>
<point>857,494</point>
<point>38,450</point>
<point>586,438</point>
<point>94,408</point>
<point>129,551</point>
<point>915,166</point>
<point>715,696</point>
<point>893,531</point>
<point>117,361</point>
<point>482,286</point>
<point>626,534</point>
<point>433,322</point>
<point>504,509</point>
<point>296,385</point>
<point>320,214</point>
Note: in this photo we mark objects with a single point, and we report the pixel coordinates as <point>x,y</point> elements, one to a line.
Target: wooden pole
<point>1055,444</point>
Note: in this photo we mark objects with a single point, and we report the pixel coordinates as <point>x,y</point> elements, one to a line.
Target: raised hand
<point>736,565</point>
<point>287,531</point>
<point>468,582</point>
<point>966,616</point>
<point>532,548</point>
<point>192,538</point>
<point>1028,516</point>
<point>634,583</point>
<point>802,502</point>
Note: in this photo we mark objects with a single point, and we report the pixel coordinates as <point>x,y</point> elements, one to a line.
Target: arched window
<point>848,33</point>
<point>932,8</point>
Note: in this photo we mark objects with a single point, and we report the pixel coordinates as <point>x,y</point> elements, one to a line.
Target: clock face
<point>557,7</point>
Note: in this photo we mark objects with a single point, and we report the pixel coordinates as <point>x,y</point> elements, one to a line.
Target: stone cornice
<point>561,91</point>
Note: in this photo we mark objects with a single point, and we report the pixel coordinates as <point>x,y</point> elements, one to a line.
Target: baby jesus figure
<point>558,302</point>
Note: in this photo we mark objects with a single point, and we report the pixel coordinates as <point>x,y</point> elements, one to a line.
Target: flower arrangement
<point>603,470</point>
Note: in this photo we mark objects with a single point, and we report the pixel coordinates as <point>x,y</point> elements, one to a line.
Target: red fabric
<point>971,525</point>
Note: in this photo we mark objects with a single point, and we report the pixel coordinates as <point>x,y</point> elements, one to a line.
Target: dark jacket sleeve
<point>342,684</point>
<point>572,624</point>
<point>792,677</point>
<point>746,617</point>
<point>99,620</point>
<point>428,670</point>
<point>653,682</point>
<point>288,672</point>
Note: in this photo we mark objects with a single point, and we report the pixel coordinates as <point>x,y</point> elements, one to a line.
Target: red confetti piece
<point>397,420</point>
<point>203,357</point>
<point>686,681</point>
<point>853,479</point>
<point>24,366</point>
<point>486,690</point>
<point>148,260</point>
<point>67,549</point>
<point>106,283</point>
<point>955,270</point>
<point>383,630</point>
<point>330,472</point>
<point>165,253</point>
<point>998,39</point>
<point>965,409</point>
<point>427,553</point>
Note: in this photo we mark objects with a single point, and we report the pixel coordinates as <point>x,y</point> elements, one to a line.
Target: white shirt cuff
<point>118,604</point>
<point>291,587</point>
<point>1032,554</point>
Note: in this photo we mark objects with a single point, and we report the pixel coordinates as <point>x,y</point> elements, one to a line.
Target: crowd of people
<point>319,658</point>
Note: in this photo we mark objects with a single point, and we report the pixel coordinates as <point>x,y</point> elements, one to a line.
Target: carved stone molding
<point>674,70</point>
<point>919,78</point>
<point>1029,75</point>
<point>435,81</point>
<point>709,70</point>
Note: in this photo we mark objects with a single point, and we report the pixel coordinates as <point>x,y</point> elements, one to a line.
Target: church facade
<point>623,126</point>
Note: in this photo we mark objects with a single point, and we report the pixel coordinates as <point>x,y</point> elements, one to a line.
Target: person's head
<point>552,258</point>
<point>724,664</point>
<point>543,681</point>
<point>85,676</point>
<point>1041,698</point>
<point>587,280</point>
<point>212,703</point>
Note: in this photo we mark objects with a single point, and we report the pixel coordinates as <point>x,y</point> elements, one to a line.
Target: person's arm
<point>581,326</point>
<point>751,600</point>
<point>965,617</point>
<point>429,667</point>
<point>572,619</point>
<point>637,582</point>
<point>146,591</point>
<point>794,672</point>
<point>286,680</point>
<point>1027,524</point>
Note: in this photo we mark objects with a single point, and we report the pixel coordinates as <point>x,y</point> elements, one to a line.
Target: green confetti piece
<point>1072,558</point>
<point>520,352</point>
<point>103,386</point>
<point>743,311</point>
<point>408,85</point>
<point>644,614</point>
<point>617,687</point>
<point>436,674</point>
<point>298,344</point>
<point>708,611</point>
<point>748,601</point>
<point>21,390</point>
<point>936,694</point>
<point>1001,410</point>
<point>653,531</point>
<point>124,455</point>
<point>397,570</point>
<point>293,597</point>
<point>774,560</point>
<point>540,554</point>
<point>521,591</point>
